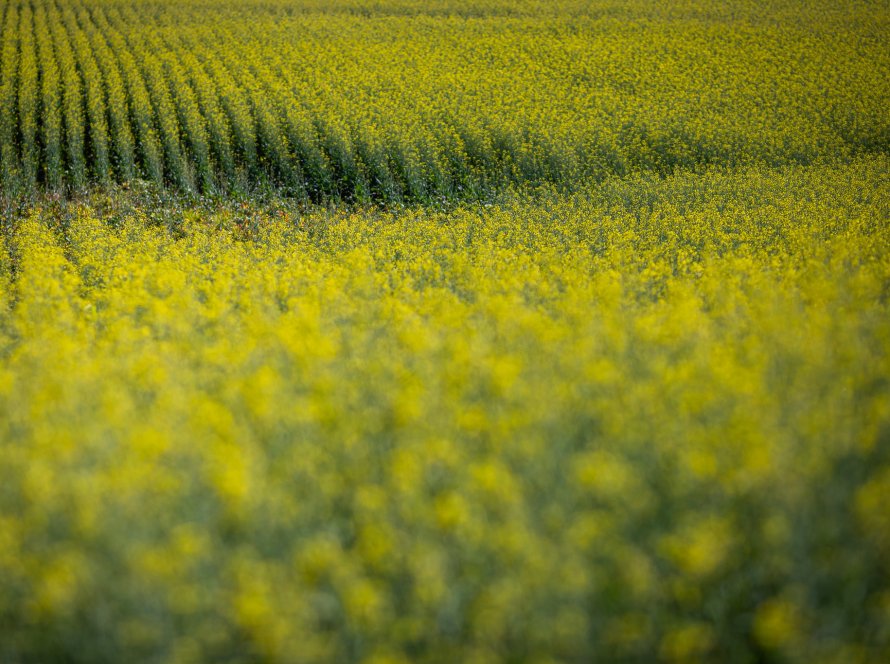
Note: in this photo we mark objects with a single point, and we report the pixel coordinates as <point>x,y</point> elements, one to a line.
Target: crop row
<point>392,101</point>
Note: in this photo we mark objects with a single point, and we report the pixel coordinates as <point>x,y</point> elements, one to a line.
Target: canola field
<point>403,99</point>
<point>387,331</point>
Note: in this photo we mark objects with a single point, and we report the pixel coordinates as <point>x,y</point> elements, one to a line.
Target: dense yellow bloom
<point>648,419</point>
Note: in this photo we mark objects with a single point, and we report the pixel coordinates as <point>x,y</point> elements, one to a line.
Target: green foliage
<point>8,107</point>
<point>72,106</point>
<point>51,104</point>
<point>96,130</point>
<point>28,100</point>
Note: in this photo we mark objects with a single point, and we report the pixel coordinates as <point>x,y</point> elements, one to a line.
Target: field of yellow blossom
<point>444,331</point>
<point>648,420</point>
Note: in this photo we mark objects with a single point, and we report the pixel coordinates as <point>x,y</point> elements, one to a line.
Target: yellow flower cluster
<point>406,100</point>
<point>648,420</point>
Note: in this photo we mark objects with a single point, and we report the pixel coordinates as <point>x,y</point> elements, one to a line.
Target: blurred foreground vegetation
<point>648,420</point>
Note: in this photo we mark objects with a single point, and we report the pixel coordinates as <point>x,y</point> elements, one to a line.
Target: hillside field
<point>389,331</point>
